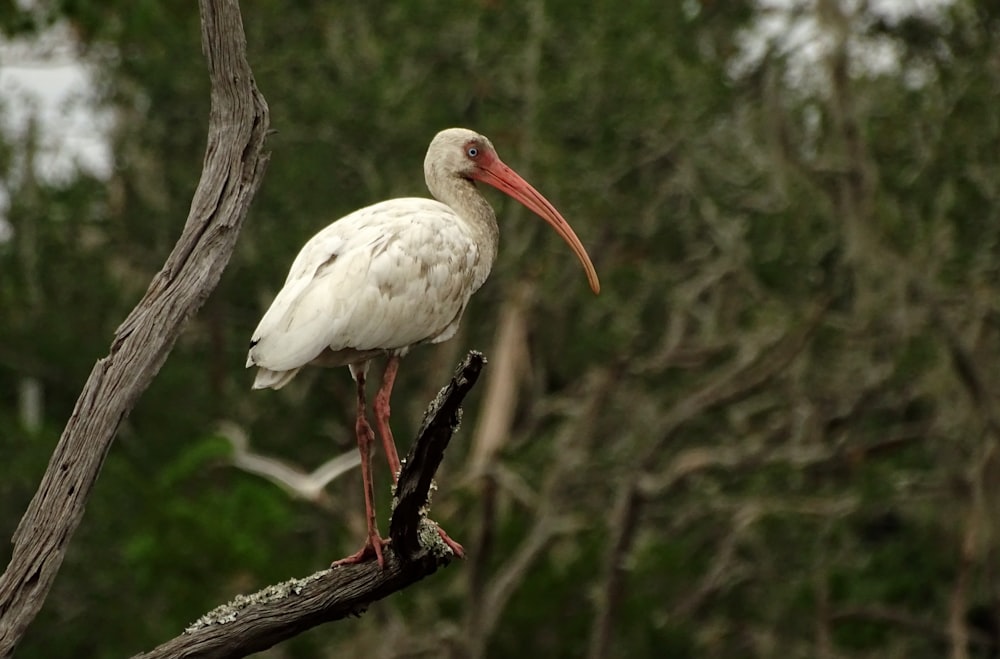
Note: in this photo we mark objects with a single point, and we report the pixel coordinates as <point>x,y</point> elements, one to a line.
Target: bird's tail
<point>273,379</point>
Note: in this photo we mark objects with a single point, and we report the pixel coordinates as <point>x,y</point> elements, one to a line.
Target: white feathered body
<point>384,278</point>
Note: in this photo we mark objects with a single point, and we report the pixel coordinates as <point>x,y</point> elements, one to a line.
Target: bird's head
<point>465,154</point>
<point>460,152</point>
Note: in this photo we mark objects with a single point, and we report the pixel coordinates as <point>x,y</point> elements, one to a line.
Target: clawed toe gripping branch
<point>252,623</point>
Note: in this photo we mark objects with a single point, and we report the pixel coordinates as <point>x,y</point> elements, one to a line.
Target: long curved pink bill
<point>505,179</point>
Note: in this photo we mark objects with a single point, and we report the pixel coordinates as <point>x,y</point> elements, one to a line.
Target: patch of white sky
<point>44,83</point>
<point>43,79</point>
<point>795,30</point>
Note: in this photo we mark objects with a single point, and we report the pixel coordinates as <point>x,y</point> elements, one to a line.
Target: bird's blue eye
<point>472,152</point>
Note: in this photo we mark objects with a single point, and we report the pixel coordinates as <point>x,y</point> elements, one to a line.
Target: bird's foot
<point>455,548</point>
<point>373,547</point>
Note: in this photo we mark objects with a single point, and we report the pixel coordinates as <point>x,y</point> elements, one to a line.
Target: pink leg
<point>373,545</point>
<point>382,411</point>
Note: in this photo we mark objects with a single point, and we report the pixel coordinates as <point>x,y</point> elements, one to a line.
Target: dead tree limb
<point>233,170</point>
<point>256,622</point>
<point>412,497</point>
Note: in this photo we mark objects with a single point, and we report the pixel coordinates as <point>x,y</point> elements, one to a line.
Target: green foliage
<point>822,509</point>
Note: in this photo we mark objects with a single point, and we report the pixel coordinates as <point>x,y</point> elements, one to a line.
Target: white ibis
<point>390,276</point>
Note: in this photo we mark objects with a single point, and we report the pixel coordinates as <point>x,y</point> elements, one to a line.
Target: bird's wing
<point>384,277</point>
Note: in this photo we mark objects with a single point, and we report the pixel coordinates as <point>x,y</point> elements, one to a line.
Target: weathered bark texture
<point>233,169</point>
<point>256,622</point>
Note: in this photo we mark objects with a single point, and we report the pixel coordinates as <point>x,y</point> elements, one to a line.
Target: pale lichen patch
<point>231,610</point>
<point>430,539</point>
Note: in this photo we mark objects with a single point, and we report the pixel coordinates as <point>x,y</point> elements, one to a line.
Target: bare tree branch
<point>552,520</point>
<point>412,495</point>
<point>233,170</point>
<point>733,384</point>
<point>256,622</point>
<point>510,352</point>
<point>624,519</point>
<point>738,382</point>
<point>979,474</point>
<point>291,478</point>
<point>493,431</point>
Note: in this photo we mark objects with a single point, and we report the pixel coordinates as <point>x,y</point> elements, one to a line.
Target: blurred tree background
<point>774,434</point>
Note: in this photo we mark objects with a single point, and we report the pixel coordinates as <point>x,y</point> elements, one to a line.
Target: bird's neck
<point>462,196</point>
